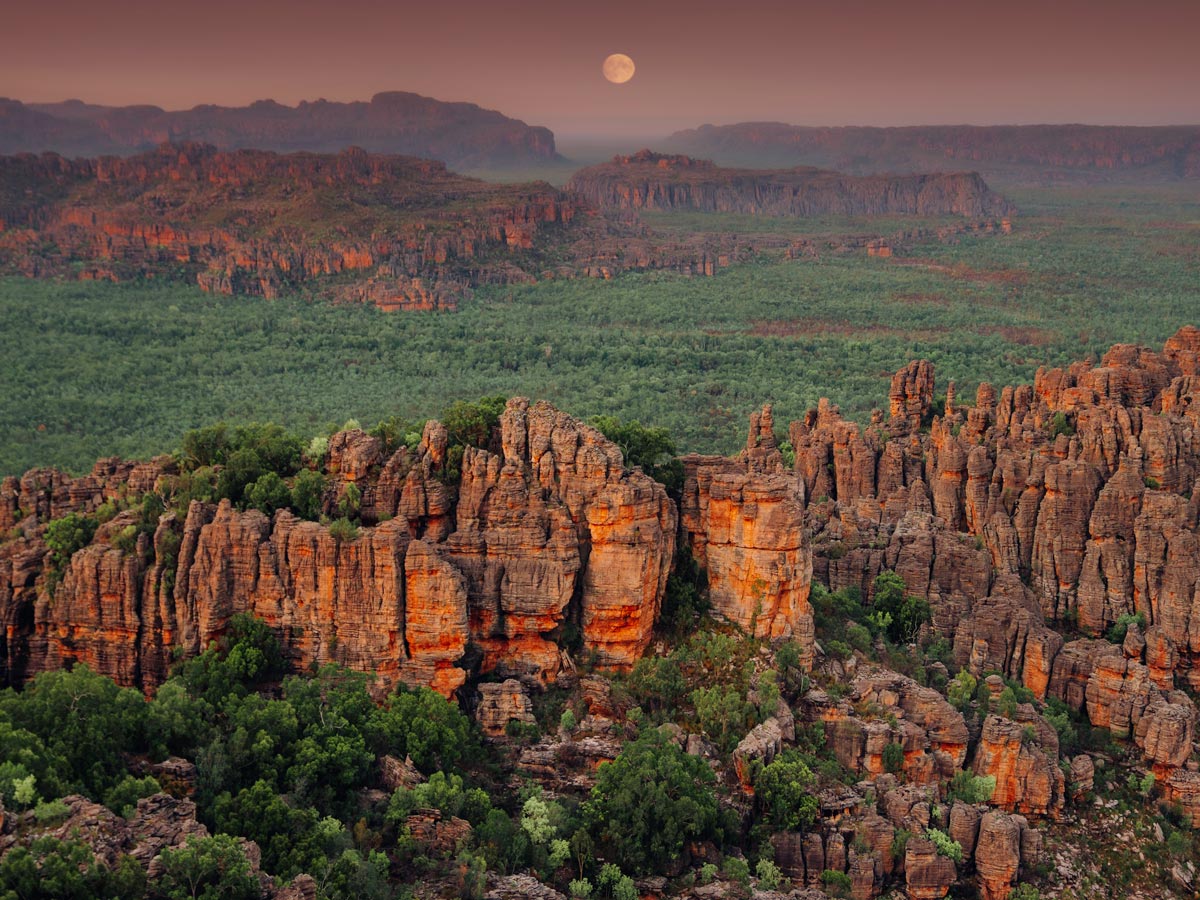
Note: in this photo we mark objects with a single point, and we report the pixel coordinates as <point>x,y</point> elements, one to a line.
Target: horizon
<point>938,64</point>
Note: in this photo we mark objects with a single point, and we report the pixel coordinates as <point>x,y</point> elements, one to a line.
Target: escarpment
<point>648,180</point>
<point>549,534</point>
<point>399,232</point>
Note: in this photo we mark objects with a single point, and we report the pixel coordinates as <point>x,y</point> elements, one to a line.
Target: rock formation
<point>648,180</point>
<point>552,531</point>
<point>412,234</point>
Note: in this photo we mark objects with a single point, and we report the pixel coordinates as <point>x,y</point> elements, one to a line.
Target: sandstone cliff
<point>399,232</point>
<point>552,531</point>
<point>648,180</point>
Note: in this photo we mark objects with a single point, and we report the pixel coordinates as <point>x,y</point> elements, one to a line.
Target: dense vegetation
<point>97,369</point>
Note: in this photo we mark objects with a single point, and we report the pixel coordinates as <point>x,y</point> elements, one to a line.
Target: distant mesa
<point>395,231</point>
<point>649,180</point>
<point>1022,152</point>
<point>461,134</point>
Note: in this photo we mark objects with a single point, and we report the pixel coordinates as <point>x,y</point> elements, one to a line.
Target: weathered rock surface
<point>502,703</point>
<point>648,180</point>
<point>552,530</point>
<point>1022,755</point>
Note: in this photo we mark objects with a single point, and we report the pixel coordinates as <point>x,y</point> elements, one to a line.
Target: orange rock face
<point>553,531</point>
<point>744,522</point>
<point>1024,764</point>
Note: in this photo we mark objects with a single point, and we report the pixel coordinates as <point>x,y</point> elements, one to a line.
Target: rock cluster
<point>549,531</point>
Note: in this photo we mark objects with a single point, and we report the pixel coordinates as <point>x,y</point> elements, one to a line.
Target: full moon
<point>618,68</point>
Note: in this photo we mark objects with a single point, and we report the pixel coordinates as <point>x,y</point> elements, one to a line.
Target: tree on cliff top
<point>647,446</point>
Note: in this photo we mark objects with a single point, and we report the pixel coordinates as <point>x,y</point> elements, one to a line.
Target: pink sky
<point>868,62</point>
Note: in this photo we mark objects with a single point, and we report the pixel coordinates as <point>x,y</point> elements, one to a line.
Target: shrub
<point>782,790</point>
<point>64,537</point>
<point>1120,628</point>
<point>893,758</point>
<point>961,689</point>
<point>944,845</point>
<point>971,788</point>
<point>1060,424</point>
<point>836,884</point>
<point>580,888</point>
<point>769,875</point>
<point>343,531</point>
<point>708,872</point>
<point>737,869</point>
<point>567,721</point>
<point>308,491</point>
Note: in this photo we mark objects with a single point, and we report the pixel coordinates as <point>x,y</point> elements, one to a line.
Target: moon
<point>618,68</point>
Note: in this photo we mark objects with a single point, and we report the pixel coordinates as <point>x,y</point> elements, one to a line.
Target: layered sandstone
<point>648,180</point>
<point>550,533</point>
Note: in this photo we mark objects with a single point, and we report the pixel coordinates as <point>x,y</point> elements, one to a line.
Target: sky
<point>827,63</point>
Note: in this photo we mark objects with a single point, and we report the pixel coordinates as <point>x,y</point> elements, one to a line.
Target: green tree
<point>210,868</point>
<point>268,493</point>
<point>64,537</point>
<point>646,446</point>
<point>423,725</point>
<point>649,801</point>
<point>783,791</point>
<point>308,492</point>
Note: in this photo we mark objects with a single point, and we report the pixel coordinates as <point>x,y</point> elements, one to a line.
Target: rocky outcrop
<point>744,524</point>
<point>403,233</point>
<point>927,874</point>
<point>998,854</point>
<point>159,822</point>
<point>1022,755</point>
<point>390,122</point>
<point>648,180</point>
<point>550,532</point>
<point>501,703</point>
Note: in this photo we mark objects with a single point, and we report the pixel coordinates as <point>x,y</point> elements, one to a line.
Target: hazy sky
<point>866,62</point>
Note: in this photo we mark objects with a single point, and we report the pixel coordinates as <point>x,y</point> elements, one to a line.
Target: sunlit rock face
<point>444,582</point>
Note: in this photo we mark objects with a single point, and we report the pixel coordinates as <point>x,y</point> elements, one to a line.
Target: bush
<point>208,867</point>
<point>971,788</point>
<point>907,614</point>
<point>893,758</point>
<point>942,842</point>
<point>308,492</point>
<point>769,875</point>
<point>580,888</point>
<point>1120,628</point>
<point>737,869</point>
<point>343,531</point>
<point>648,447</point>
<point>567,721</point>
<point>835,883</point>
<point>782,791</point>
<point>64,537</point>
<point>1060,424</point>
<point>961,689</point>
